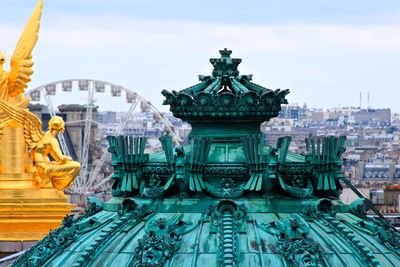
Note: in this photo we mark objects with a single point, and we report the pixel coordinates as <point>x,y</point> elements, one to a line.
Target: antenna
<point>368,106</point>
<point>360,99</point>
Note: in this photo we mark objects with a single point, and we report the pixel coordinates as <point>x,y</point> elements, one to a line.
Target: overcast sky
<point>325,52</point>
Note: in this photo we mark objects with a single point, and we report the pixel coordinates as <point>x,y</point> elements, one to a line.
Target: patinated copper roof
<point>226,199</point>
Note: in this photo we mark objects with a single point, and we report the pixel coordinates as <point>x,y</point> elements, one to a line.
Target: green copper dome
<point>226,199</point>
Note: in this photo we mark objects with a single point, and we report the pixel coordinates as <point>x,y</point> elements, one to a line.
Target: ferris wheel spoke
<point>86,138</point>
<point>102,182</point>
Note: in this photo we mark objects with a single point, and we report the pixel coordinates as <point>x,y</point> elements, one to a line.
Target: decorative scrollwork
<point>60,238</point>
<point>302,187</point>
<point>293,242</point>
<point>226,171</point>
<point>227,189</point>
<point>215,212</point>
<point>161,241</point>
<point>152,188</point>
<point>227,219</point>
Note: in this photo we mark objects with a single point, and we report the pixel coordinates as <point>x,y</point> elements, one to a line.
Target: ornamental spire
<point>225,66</point>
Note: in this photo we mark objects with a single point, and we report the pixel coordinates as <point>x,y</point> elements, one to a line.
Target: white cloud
<point>115,31</point>
<point>339,60</point>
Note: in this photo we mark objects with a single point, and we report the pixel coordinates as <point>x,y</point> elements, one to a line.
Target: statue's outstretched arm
<point>56,152</point>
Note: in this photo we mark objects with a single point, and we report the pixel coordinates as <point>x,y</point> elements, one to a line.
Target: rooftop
<point>226,199</point>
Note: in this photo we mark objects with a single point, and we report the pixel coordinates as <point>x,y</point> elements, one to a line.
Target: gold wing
<point>4,118</point>
<point>32,125</point>
<point>21,61</point>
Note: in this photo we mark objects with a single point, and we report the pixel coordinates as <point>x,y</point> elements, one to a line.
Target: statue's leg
<point>62,175</point>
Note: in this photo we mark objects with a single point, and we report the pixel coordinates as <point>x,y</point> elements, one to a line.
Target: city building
<point>377,117</point>
<point>294,112</point>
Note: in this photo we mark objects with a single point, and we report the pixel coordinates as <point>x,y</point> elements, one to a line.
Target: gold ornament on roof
<point>20,129</point>
<point>60,172</point>
<point>33,169</point>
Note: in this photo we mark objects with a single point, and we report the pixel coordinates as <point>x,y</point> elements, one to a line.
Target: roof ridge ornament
<point>225,66</point>
<point>225,97</point>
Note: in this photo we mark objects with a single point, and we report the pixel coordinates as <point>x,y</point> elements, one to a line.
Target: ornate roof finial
<point>225,53</point>
<point>226,96</point>
<point>225,66</point>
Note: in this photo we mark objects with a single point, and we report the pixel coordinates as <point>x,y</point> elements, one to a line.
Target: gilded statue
<point>62,170</point>
<point>20,129</point>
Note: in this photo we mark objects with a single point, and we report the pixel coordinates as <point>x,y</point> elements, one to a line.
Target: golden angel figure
<point>13,158</point>
<point>13,83</point>
<point>60,172</point>
<point>20,127</point>
<point>32,165</point>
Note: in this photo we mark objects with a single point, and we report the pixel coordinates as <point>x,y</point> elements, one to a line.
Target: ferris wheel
<point>89,179</point>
